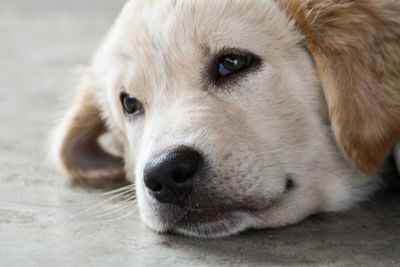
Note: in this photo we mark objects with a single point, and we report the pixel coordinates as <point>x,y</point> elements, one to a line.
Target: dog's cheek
<point>147,211</point>
<point>238,169</point>
<point>145,206</point>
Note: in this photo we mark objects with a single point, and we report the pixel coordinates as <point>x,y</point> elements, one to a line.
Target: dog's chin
<point>212,224</point>
<point>208,223</point>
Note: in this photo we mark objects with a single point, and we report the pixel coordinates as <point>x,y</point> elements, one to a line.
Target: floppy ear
<point>356,48</point>
<point>75,142</point>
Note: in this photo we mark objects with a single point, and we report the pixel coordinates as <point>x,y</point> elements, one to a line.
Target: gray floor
<point>45,221</point>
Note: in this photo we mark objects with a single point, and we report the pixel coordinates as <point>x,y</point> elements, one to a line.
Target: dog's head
<point>224,110</point>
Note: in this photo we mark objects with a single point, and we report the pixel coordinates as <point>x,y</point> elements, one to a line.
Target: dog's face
<point>220,114</point>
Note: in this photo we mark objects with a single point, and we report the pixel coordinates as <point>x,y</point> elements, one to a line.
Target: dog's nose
<point>170,176</point>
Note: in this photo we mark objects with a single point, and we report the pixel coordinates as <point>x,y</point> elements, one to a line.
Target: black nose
<point>170,176</point>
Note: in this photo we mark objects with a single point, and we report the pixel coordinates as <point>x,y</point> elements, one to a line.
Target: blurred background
<point>41,43</point>
<point>45,221</point>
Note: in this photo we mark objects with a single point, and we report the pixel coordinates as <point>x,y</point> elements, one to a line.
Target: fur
<point>326,66</point>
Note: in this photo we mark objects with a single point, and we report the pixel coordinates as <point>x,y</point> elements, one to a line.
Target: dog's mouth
<point>217,222</point>
<point>218,217</point>
<point>210,223</point>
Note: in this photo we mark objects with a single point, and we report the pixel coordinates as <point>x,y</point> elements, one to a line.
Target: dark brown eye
<point>131,105</point>
<point>232,63</point>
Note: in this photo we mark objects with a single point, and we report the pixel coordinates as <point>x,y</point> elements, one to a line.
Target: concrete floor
<point>41,218</point>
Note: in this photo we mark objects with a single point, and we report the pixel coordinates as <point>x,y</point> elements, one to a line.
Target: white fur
<point>272,123</point>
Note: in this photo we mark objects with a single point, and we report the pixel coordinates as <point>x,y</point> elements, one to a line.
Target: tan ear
<point>75,142</point>
<point>356,48</point>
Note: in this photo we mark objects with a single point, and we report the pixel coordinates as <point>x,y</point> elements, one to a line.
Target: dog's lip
<point>204,216</point>
<point>215,222</point>
<point>215,214</point>
<point>204,223</point>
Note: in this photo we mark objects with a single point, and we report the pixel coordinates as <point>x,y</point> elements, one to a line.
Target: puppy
<point>237,114</point>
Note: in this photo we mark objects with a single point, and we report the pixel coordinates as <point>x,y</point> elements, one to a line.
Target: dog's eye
<point>232,63</point>
<point>131,105</point>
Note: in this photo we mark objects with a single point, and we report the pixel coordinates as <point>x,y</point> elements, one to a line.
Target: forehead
<point>164,36</point>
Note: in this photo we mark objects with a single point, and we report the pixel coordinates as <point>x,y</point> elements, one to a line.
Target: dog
<point>238,114</point>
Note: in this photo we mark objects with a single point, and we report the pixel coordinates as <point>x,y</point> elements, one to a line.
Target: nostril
<point>154,186</point>
<point>170,176</point>
<point>182,173</point>
<point>178,176</point>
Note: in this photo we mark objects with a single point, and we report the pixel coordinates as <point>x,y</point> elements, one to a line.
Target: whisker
<point>121,217</point>
<point>116,211</point>
<point>116,208</point>
<point>91,208</point>
<point>128,200</point>
<point>130,187</point>
<point>111,206</point>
